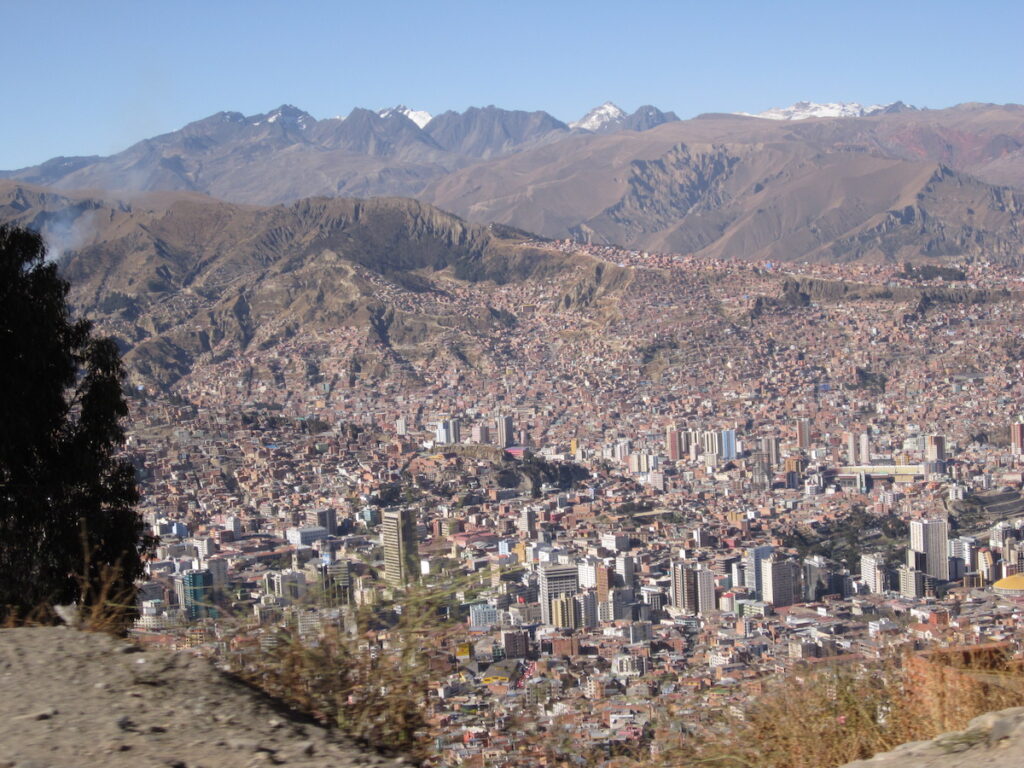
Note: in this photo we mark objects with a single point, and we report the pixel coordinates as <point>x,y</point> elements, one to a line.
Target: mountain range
<point>287,154</point>
<point>813,181</point>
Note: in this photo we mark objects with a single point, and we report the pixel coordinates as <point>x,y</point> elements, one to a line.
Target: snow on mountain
<point>804,110</point>
<point>599,117</point>
<point>287,114</point>
<point>418,116</point>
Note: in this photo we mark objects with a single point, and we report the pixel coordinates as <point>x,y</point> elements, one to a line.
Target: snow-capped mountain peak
<point>418,116</point>
<point>804,110</point>
<point>599,117</point>
<point>287,114</point>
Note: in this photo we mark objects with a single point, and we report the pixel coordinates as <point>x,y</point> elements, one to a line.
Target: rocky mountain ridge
<point>910,184</point>
<point>287,154</point>
<point>899,183</point>
<point>182,278</point>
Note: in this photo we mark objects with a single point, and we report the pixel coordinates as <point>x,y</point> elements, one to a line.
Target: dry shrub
<point>106,603</point>
<point>843,713</point>
<point>376,697</point>
<point>945,688</point>
<point>373,686</point>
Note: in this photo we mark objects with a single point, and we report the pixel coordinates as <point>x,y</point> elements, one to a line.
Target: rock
<point>1002,728</point>
<point>69,614</point>
<point>41,714</point>
<point>976,745</point>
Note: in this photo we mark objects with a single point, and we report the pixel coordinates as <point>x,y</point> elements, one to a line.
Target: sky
<point>94,77</point>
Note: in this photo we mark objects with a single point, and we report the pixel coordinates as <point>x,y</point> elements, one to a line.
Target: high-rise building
<point>820,578</point>
<point>872,572</point>
<point>803,434</point>
<point>327,518</point>
<point>935,448</point>
<point>705,580</point>
<point>693,588</point>
<point>760,471</point>
<point>916,560</point>
<point>673,443</point>
<point>931,537</point>
<point>711,442</point>
<point>506,436</point>
<point>555,580</point>
<point>218,568</point>
<point>684,588</point>
<point>337,582</point>
<point>625,572</point>
<point>448,431</point>
<point>401,555</point>
<point>586,603</point>
<point>481,434</point>
<point>565,612</point>
<point>527,522</point>
<point>911,582</point>
<point>587,570</point>
<point>965,549</point>
<point>289,584</point>
<point>194,589</point>
<point>1017,438</point>
<point>770,447</point>
<point>594,574</point>
<point>752,561</point>
<point>780,581</point>
<point>516,642</point>
<point>616,607</point>
<point>728,443</point>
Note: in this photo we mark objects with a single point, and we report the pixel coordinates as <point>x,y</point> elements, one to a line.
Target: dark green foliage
<point>931,272</point>
<point>68,526</point>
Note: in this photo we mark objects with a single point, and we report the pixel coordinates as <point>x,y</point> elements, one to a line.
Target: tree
<point>69,529</point>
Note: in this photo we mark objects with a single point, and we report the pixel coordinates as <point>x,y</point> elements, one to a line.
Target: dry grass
<point>377,698</point>
<point>372,685</point>
<point>844,713</point>
<point>105,604</point>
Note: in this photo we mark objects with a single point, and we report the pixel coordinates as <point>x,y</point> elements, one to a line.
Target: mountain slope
<point>489,132</point>
<point>739,187</point>
<point>609,118</point>
<point>286,154</point>
<point>807,188</point>
<point>178,278</point>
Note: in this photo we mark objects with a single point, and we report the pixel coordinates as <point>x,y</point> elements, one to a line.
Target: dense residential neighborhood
<point>624,554</point>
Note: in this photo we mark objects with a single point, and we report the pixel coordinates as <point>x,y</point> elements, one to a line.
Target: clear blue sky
<point>94,77</point>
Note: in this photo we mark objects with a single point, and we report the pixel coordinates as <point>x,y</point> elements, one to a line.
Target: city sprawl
<point>635,509</point>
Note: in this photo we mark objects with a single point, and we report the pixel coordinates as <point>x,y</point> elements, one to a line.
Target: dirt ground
<point>71,699</point>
